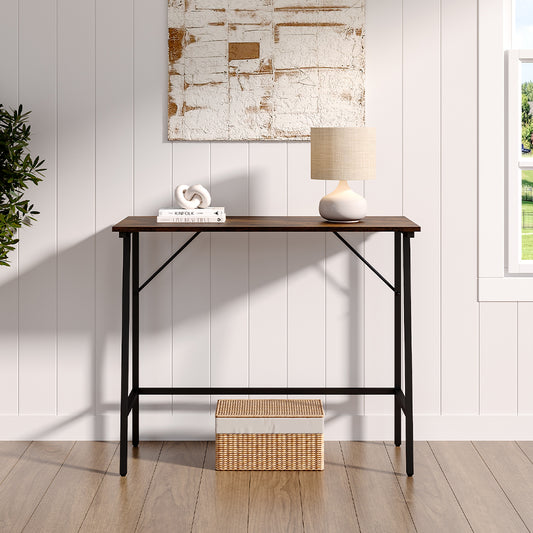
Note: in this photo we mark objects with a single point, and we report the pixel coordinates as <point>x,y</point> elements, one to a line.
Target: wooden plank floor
<point>172,486</point>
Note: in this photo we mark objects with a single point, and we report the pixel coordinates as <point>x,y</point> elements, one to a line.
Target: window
<point>505,265</point>
<point>520,160</point>
<point>520,140</point>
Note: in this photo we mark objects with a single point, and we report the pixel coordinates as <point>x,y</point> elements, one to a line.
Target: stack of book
<point>183,216</point>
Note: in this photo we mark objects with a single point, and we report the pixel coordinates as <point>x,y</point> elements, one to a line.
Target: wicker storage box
<point>269,435</point>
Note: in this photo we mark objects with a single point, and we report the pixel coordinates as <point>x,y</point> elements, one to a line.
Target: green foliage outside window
<point>17,170</point>
<point>527,116</point>
<point>527,89</point>
<point>526,111</point>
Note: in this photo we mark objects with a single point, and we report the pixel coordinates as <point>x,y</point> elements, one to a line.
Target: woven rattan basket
<point>269,435</point>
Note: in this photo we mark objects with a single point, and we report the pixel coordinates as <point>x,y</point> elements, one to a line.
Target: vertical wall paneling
<point>268,310</point>
<point>37,248</point>
<point>491,138</point>
<point>306,309</point>
<point>384,89</point>
<point>152,190</point>
<point>498,358</point>
<point>114,186</point>
<point>303,193</point>
<point>75,219</point>
<point>9,27</point>
<point>268,267</point>
<point>460,310</point>
<point>268,178</point>
<point>421,190</point>
<point>191,298</point>
<point>525,358</point>
<point>345,334</point>
<point>9,285</point>
<point>229,269</point>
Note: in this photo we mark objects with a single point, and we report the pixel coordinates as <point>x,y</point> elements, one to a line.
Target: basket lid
<point>269,408</point>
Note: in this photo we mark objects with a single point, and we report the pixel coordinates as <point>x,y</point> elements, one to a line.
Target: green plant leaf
<point>17,169</point>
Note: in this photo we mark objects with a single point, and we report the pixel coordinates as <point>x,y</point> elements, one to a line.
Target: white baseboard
<point>201,426</point>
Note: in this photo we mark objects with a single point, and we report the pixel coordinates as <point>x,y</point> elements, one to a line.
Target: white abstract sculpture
<point>192,197</point>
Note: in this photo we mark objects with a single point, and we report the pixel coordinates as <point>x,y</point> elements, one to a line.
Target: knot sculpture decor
<point>192,197</point>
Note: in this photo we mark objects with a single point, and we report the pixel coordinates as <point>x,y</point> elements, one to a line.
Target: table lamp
<point>343,154</point>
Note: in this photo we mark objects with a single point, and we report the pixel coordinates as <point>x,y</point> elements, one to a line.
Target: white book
<point>207,211</point>
<point>192,219</point>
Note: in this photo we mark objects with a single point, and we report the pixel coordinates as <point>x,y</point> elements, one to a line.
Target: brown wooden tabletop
<point>256,224</point>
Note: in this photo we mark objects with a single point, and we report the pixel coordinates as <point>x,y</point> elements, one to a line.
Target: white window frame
<point>515,162</point>
<point>495,281</point>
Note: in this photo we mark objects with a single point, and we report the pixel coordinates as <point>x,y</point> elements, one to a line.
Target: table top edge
<point>138,224</point>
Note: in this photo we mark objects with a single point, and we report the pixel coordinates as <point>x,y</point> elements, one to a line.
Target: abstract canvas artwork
<point>264,69</point>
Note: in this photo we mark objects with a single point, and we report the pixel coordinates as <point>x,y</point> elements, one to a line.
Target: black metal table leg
<point>135,338</point>
<point>397,337</point>
<point>408,353</point>
<point>124,381</point>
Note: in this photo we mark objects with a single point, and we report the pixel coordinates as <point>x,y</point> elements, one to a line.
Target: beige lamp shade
<point>343,153</point>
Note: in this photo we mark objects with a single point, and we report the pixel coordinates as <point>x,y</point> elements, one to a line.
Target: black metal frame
<point>403,402</point>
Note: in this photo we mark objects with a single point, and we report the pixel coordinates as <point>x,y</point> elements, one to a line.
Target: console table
<point>403,229</point>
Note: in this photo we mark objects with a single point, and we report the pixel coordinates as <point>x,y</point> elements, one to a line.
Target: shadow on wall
<point>103,333</point>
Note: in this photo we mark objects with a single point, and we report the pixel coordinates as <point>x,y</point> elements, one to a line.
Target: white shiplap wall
<point>265,309</point>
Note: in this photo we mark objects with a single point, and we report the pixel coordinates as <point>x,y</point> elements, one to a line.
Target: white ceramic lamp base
<point>342,205</point>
